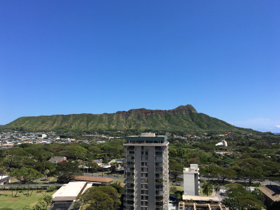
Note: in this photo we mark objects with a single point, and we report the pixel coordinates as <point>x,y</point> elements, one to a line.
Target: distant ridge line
<point>182,118</point>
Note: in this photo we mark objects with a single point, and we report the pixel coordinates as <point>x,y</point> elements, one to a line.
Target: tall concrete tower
<point>146,172</point>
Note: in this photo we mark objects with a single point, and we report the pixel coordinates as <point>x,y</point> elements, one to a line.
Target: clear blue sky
<point>65,57</point>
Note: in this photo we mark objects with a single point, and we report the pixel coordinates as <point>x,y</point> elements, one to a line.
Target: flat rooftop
<point>147,137</point>
<point>272,192</point>
<point>195,206</point>
<point>93,179</point>
<point>200,198</point>
<point>69,192</point>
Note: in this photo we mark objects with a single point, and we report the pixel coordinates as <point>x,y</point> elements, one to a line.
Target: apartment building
<point>191,180</point>
<point>146,172</point>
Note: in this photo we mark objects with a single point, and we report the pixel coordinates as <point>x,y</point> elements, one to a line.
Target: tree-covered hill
<point>184,118</point>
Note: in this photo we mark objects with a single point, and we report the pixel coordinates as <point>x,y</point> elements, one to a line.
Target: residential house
<point>57,159</point>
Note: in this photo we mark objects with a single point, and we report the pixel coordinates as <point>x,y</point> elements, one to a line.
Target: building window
<point>144,164</point>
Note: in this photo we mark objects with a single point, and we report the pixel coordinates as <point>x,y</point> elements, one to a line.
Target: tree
<point>227,174</point>
<point>48,199</point>
<point>250,168</point>
<point>26,175</point>
<point>80,152</point>
<point>118,187</point>
<point>231,203</point>
<point>43,203</point>
<point>9,159</point>
<point>217,188</point>
<point>214,170</point>
<point>101,198</point>
<point>258,195</point>
<point>207,188</point>
<point>67,170</point>
<point>176,168</point>
<point>45,156</point>
<point>27,207</point>
<point>113,167</point>
<point>240,198</point>
<point>3,168</point>
<point>93,166</point>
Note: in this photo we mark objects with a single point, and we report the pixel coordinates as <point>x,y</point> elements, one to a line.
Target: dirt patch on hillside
<point>15,199</point>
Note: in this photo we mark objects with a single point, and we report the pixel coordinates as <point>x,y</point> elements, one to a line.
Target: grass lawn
<point>119,180</point>
<point>178,188</point>
<point>50,180</point>
<point>115,175</point>
<point>19,202</point>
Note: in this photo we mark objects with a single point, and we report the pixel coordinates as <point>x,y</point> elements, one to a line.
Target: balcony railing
<point>130,198</point>
<point>129,181</point>
<point>130,160</point>
<point>129,175</point>
<point>159,193</point>
<point>129,186</point>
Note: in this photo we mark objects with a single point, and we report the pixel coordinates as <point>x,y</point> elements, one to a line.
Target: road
<point>104,175</point>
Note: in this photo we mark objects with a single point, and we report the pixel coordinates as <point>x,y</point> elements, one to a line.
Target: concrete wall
<point>151,177</point>
<point>137,178</point>
<point>190,184</point>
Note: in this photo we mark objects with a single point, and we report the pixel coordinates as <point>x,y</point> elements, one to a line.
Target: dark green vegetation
<point>28,162</point>
<point>240,198</point>
<point>254,157</point>
<point>250,156</point>
<point>101,198</point>
<point>184,118</point>
<point>248,159</point>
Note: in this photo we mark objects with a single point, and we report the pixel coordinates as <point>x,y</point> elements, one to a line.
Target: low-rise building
<point>67,194</point>
<point>271,192</point>
<point>96,181</point>
<point>222,143</point>
<point>4,180</point>
<point>191,177</point>
<point>57,159</point>
<point>208,206</point>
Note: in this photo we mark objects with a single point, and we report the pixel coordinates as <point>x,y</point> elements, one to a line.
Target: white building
<point>191,176</point>
<point>4,180</point>
<point>222,143</point>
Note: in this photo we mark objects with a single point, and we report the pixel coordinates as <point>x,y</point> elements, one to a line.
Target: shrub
<point>119,188</point>
<point>48,199</point>
<point>50,188</point>
<point>27,208</point>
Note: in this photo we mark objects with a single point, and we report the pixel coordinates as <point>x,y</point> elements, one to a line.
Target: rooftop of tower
<point>147,137</point>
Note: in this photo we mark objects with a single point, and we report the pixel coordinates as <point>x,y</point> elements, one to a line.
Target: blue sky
<point>65,57</point>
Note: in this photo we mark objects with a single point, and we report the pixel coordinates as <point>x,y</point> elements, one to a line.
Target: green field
<point>119,180</point>
<point>178,188</point>
<point>19,202</point>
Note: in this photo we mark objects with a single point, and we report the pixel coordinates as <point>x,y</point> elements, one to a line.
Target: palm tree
<point>207,188</point>
<point>217,188</point>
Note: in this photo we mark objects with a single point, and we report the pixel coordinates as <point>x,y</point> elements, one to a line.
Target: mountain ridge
<point>184,118</point>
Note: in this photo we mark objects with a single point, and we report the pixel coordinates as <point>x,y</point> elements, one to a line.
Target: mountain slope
<point>183,118</point>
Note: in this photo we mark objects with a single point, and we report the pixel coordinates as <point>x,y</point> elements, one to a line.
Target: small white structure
<point>191,176</point>
<point>70,191</point>
<point>222,143</point>
<point>4,180</point>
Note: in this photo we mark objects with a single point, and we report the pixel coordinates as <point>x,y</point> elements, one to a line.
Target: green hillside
<point>184,118</point>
